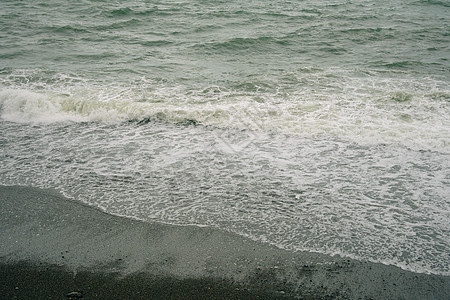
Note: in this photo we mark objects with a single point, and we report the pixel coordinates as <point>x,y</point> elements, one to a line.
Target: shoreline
<point>53,246</point>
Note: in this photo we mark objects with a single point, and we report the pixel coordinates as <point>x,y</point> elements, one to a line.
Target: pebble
<point>74,295</point>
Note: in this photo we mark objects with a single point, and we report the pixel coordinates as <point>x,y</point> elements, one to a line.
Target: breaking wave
<point>417,120</point>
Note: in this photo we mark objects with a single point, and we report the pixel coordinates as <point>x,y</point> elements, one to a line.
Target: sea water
<point>311,125</point>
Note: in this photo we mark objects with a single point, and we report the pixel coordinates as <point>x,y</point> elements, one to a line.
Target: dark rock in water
<point>74,295</point>
<point>191,122</point>
<point>188,122</point>
<point>144,121</point>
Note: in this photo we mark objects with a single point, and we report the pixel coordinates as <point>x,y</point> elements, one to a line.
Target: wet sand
<point>51,246</point>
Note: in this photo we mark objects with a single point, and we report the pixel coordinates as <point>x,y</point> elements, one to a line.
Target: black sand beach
<point>51,246</point>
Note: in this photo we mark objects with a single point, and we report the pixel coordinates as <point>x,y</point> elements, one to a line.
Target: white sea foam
<point>330,166</point>
<point>25,106</point>
<point>364,110</point>
<point>384,203</point>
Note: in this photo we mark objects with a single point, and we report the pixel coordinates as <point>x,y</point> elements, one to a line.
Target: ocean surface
<point>310,125</point>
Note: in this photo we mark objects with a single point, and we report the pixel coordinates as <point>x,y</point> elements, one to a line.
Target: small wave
<point>433,2</point>
<point>118,24</point>
<point>95,56</point>
<point>398,64</point>
<point>156,43</point>
<point>333,50</point>
<point>13,54</point>
<point>241,43</point>
<point>120,12</point>
<point>207,28</point>
<point>67,29</point>
<point>128,11</point>
<point>368,34</point>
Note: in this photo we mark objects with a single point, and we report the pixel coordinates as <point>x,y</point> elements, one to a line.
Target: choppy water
<point>310,125</point>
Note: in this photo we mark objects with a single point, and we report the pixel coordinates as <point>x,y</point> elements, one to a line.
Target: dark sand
<point>51,246</point>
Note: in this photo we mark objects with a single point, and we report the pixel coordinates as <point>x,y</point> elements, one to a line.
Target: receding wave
<point>383,203</point>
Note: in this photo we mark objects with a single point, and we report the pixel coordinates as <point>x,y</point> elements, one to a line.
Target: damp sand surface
<point>52,246</point>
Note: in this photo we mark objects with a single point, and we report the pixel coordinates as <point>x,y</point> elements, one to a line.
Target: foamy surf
<point>310,126</point>
<point>415,118</point>
<point>384,203</point>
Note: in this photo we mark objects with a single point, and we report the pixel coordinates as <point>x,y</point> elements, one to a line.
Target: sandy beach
<point>225,149</point>
<point>52,246</point>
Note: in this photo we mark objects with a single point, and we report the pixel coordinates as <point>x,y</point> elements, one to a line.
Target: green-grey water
<point>311,125</point>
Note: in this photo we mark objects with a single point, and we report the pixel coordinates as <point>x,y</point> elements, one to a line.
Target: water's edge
<point>43,227</point>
